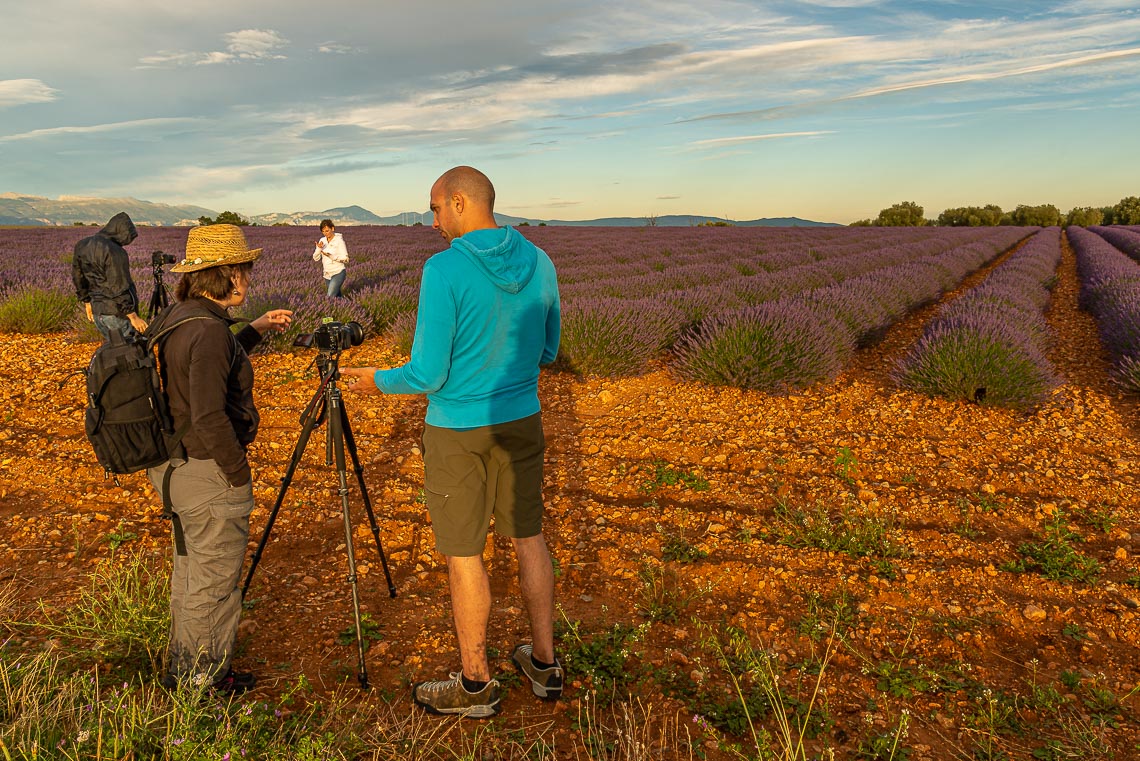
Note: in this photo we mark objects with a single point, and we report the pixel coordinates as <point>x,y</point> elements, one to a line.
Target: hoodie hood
<point>505,256</point>
<point>120,229</point>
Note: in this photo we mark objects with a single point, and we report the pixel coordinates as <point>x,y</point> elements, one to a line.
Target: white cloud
<point>337,48</point>
<point>16,92</point>
<point>243,45</point>
<point>721,141</point>
<point>982,76</point>
<point>142,124</point>
<point>256,44</point>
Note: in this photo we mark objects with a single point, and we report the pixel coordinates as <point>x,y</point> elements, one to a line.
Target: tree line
<point>910,214</point>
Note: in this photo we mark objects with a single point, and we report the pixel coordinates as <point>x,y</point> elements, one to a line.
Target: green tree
<point>904,214</point>
<point>225,218</point>
<point>971,216</point>
<point>1127,212</point>
<point>1083,216</point>
<point>1045,215</point>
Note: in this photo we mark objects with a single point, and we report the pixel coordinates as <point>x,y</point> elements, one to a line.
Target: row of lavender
<point>806,338</point>
<point>1110,291</point>
<point>989,345</point>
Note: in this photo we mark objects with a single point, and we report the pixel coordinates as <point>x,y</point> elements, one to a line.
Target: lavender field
<point>773,309</point>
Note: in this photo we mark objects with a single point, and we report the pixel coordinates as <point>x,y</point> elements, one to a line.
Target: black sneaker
<point>544,683</point>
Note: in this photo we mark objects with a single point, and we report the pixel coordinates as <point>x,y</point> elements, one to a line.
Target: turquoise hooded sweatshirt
<point>488,316</point>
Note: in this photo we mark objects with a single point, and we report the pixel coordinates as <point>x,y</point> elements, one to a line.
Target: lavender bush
<point>402,332</point>
<point>978,360</point>
<point>30,309</point>
<point>776,347</point>
<point>610,337</point>
<point>988,345</point>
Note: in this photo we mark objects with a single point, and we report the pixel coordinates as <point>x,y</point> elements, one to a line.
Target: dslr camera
<point>157,259</point>
<point>332,337</point>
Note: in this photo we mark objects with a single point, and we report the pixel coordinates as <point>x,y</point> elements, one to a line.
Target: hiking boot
<point>234,683</point>
<point>448,696</point>
<point>545,683</point>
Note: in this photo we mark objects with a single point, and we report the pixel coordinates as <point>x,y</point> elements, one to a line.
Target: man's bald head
<point>470,182</point>
<point>462,200</point>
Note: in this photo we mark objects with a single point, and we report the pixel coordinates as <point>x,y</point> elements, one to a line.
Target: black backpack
<point>128,419</point>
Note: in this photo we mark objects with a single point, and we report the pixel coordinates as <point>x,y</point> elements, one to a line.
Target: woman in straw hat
<point>209,381</point>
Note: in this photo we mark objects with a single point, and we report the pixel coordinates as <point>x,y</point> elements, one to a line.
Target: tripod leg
<point>359,469</point>
<point>312,415</point>
<point>336,436</point>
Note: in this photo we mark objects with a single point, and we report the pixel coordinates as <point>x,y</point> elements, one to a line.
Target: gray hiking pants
<point>205,602</point>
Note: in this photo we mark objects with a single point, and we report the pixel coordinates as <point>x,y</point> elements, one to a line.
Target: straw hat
<point>213,246</point>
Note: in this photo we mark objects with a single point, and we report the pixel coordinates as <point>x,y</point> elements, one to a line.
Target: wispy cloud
<point>242,45</point>
<point>16,92</point>
<point>139,124</point>
<point>337,48</point>
<point>982,76</point>
<point>723,141</point>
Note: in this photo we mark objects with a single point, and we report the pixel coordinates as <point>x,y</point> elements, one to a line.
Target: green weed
<point>665,474</point>
<point>1055,557</point>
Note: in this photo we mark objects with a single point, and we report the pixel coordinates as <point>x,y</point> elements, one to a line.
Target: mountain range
<point>25,210</point>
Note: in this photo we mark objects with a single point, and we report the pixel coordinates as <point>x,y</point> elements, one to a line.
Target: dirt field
<point>927,628</point>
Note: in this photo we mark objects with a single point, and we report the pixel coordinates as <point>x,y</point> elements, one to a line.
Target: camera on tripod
<point>332,336</point>
<point>157,259</point>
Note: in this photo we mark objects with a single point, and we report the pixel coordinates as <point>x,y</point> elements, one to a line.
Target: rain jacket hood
<point>120,229</point>
<point>505,256</point>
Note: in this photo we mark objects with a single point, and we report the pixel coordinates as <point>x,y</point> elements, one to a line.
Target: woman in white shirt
<point>332,254</point>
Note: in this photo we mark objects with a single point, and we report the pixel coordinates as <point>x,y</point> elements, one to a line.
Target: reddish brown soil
<point>930,465</point>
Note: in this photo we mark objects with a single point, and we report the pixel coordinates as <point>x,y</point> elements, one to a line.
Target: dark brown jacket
<point>209,381</point>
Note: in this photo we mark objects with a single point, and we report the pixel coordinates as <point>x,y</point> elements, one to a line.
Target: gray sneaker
<point>447,696</point>
<point>545,683</point>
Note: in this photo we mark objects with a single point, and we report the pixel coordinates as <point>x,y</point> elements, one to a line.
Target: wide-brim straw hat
<point>213,246</point>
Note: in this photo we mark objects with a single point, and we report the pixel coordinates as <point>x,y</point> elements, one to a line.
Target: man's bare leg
<point>471,608</point>
<point>536,578</point>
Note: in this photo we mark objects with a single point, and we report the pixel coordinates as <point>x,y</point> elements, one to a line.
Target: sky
<point>827,110</point>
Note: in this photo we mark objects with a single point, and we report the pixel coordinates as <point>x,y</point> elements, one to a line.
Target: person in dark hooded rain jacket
<point>101,271</point>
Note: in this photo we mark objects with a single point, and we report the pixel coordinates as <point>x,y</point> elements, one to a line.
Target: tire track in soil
<point>1077,352</point>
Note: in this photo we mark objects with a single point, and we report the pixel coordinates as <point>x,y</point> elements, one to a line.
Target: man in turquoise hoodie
<point>488,317</point>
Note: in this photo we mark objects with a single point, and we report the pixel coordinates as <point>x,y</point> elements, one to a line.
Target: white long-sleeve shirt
<point>337,255</point>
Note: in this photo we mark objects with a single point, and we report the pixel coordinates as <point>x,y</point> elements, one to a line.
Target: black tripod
<point>327,403</point>
<point>158,298</point>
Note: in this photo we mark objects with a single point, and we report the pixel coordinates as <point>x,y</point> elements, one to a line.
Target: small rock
<point>866,495</point>
<point>988,489</point>
<point>1132,602</point>
<point>605,397</point>
<point>586,598</point>
<point>1121,553</point>
<point>1033,613</point>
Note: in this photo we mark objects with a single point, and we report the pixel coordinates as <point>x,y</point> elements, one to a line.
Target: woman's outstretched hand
<point>274,319</point>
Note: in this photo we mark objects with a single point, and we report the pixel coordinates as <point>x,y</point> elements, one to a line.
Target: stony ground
<point>935,620</point>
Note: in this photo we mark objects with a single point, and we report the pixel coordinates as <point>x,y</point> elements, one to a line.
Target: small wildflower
<point>83,736</point>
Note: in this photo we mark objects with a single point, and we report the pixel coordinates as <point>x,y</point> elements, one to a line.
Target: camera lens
<point>354,332</point>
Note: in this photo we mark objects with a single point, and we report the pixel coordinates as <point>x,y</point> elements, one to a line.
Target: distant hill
<point>669,220</point>
<point>342,215</point>
<point>16,209</point>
